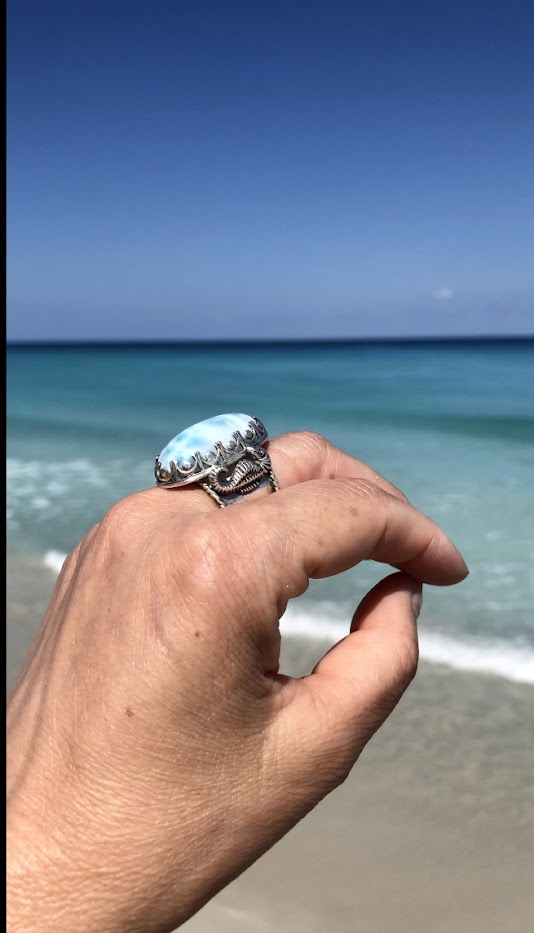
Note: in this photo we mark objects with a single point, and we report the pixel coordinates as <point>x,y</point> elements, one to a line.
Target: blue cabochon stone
<point>201,439</point>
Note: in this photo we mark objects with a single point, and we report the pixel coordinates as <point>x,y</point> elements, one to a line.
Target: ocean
<point>451,423</point>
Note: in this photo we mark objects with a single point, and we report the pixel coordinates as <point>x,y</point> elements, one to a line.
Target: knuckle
<point>405,659</point>
<point>125,516</point>
<point>398,493</point>
<point>367,490</point>
<point>314,441</point>
<point>71,560</point>
<point>409,661</point>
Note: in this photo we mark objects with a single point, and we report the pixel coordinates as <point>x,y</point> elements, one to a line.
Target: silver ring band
<point>224,455</point>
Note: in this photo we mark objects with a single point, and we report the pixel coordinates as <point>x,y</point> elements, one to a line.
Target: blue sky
<point>284,169</point>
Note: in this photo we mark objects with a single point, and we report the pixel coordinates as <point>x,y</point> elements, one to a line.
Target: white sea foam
<point>491,657</point>
<point>497,657</point>
<point>35,471</point>
<point>323,624</point>
<point>58,477</point>
<point>45,490</point>
<point>54,560</point>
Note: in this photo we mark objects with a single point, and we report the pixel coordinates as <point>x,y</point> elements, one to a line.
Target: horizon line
<point>266,341</point>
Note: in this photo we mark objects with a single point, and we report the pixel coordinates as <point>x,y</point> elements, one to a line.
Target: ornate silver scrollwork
<point>227,485</point>
<point>201,464</point>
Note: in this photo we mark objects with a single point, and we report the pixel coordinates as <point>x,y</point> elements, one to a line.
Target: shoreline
<point>316,624</point>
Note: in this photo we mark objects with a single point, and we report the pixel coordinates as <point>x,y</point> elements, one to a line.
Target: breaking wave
<point>496,657</point>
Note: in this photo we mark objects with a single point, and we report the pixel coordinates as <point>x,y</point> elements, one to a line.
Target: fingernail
<point>466,568</point>
<point>417,602</point>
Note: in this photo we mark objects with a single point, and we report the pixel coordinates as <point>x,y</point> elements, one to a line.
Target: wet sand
<point>433,832</point>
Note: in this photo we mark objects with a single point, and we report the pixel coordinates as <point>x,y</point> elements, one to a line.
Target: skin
<point>154,752</point>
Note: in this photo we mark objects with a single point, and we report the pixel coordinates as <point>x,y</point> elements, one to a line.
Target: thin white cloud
<point>443,294</point>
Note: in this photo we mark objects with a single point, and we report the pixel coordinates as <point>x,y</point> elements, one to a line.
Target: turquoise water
<point>452,424</point>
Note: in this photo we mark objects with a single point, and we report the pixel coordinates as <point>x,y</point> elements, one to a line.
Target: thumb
<point>352,690</point>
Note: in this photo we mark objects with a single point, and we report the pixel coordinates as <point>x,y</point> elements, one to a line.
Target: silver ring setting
<point>224,455</point>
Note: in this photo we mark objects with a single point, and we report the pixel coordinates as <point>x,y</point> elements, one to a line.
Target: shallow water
<point>452,424</point>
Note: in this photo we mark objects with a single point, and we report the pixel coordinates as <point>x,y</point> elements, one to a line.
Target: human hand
<point>154,751</point>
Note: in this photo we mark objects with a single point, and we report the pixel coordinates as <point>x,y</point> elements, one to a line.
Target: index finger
<point>323,527</point>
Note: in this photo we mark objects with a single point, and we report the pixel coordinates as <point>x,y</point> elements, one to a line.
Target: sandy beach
<point>433,831</point>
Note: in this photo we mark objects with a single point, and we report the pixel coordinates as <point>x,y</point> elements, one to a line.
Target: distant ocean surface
<point>451,423</point>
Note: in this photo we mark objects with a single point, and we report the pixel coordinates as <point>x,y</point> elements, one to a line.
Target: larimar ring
<point>224,455</point>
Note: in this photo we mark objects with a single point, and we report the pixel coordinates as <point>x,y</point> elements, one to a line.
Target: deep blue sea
<point>451,423</point>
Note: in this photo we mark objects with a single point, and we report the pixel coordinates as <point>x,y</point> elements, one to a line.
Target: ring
<point>223,454</point>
